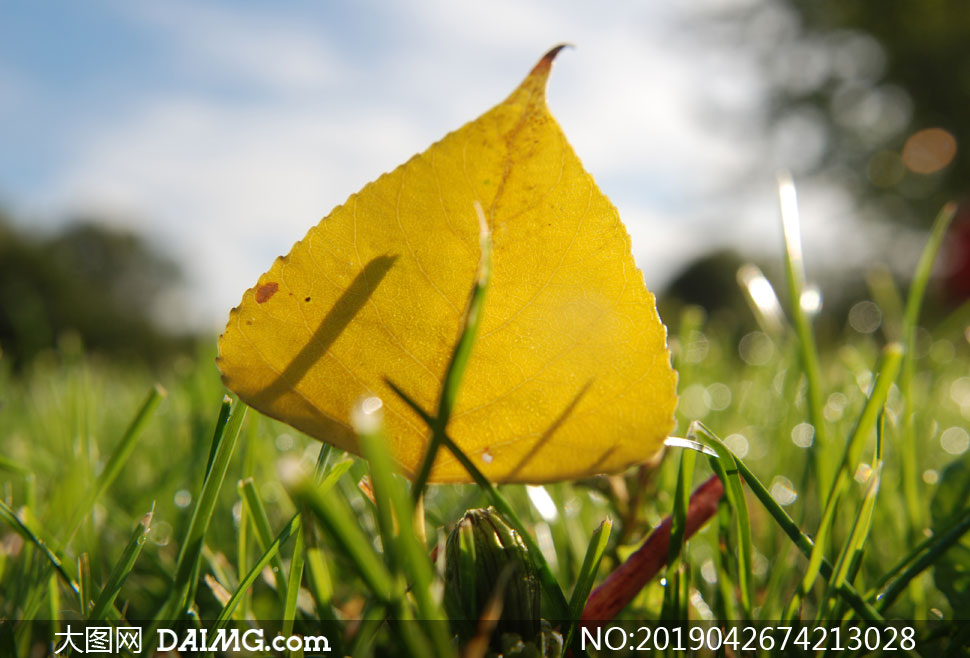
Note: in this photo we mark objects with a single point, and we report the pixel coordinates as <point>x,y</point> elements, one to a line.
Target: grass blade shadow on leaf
<point>334,322</point>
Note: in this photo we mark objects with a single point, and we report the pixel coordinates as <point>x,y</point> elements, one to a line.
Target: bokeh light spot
<point>929,150</point>
<point>955,440</point>
<point>803,435</point>
<point>783,491</point>
<point>865,317</point>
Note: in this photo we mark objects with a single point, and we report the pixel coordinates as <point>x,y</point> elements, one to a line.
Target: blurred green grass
<point>64,415</point>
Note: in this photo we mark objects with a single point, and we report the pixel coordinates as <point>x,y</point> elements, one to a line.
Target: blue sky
<point>224,130</point>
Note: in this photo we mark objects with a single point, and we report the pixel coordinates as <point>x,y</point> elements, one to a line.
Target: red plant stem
<point>621,586</point>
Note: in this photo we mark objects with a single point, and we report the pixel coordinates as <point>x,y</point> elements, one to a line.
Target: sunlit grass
<point>245,526</point>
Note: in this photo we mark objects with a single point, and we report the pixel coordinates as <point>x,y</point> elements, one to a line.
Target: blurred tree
<point>99,282</point>
<point>872,94</point>
<point>709,281</point>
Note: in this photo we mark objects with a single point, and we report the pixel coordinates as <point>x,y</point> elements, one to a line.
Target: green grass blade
<point>246,582</point>
<point>190,552</point>
<point>914,302</point>
<point>808,350</point>
<point>904,563</point>
<point>122,568</point>
<point>319,581</point>
<point>264,534</point>
<point>118,458</point>
<point>12,467</point>
<point>726,468</point>
<point>8,516</point>
<point>586,578</point>
<point>407,552</point>
<point>467,558</point>
<point>53,599</point>
<point>324,459</point>
<point>293,583</point>
<point>220,428</point>
<point>549,583</point>
<point>459,357</point>
<point>678,520</point>
<point>934,549</point>
<point>672,605</point>
<point>853,547</point>
<point>886,375</point>
<point>334,474</point>
<point>343,528</point>
<point>799,538</point>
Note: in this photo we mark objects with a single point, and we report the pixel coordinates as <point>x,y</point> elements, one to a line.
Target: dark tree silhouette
<point>99,282</point>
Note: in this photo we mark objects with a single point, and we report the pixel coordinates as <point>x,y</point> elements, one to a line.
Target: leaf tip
<point>543,65</point>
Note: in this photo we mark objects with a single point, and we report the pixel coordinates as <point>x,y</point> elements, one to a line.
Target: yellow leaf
<point>570,374</point>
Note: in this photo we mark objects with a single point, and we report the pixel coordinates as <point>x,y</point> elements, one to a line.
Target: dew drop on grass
<point>367,415</point>
<point>697,347</point>
<point>759,564</point>
<point>778,383</point>
<point>756,348</point>
<point>271,491</point>
<point>955,440</point>
<point>693,402</point>
<point>835,407</point>
<point>865,317</point>
<point>704,610</point>
<point>803,435</point>
<point>960,391</point>
<point>738,444</point>
<point>284,442</point>
<point>709,571</point>
<point>783,491</point>
<point>811,300</point>
<point>718,396</point>
<point>160,533</point>
<point>183,498</point>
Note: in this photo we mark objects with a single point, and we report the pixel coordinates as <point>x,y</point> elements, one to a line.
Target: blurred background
<point>156,157</point>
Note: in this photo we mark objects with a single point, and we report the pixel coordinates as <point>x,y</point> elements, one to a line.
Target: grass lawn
<point>123,500</point>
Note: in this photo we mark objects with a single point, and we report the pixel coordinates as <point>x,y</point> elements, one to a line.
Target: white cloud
<point>227,189</point>
<point>271,49</point>
<point>229,183</point>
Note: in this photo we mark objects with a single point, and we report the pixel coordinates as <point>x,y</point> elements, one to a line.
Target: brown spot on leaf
<point>265,291</point>
<point>306,299</point>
